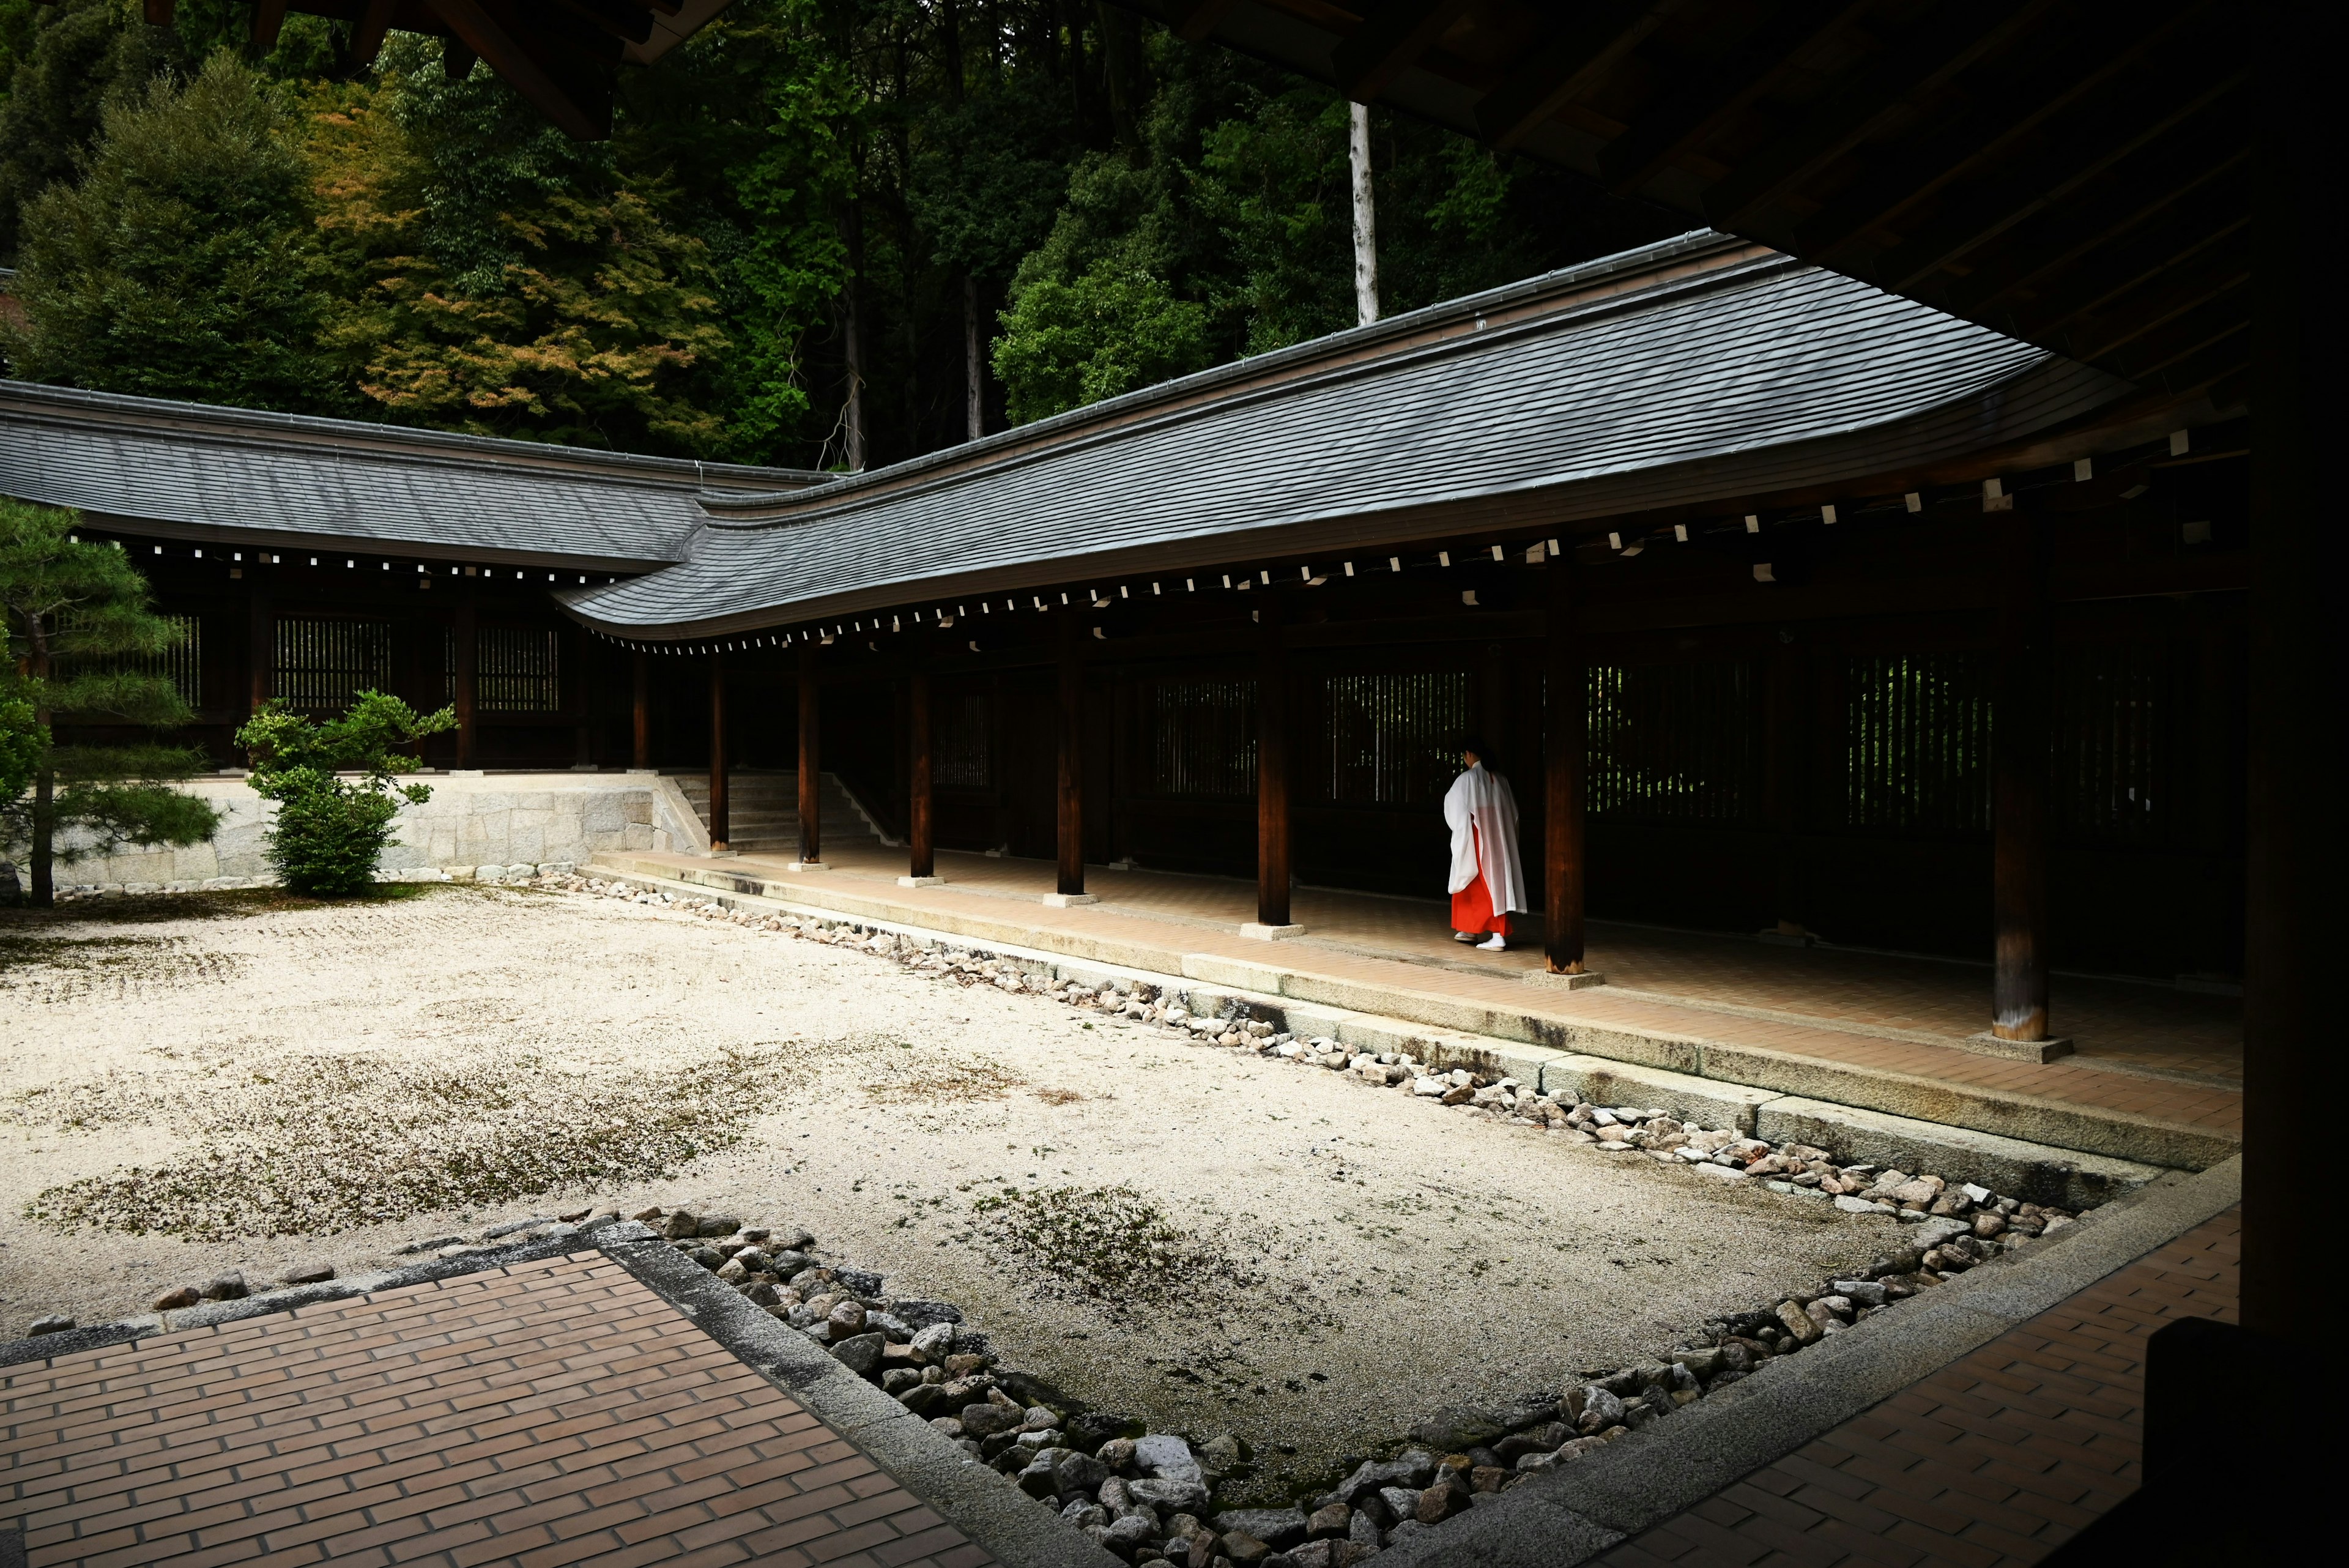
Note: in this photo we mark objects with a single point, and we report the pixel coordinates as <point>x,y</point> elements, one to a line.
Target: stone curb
<point>1574,1512</point>
<point>211,1315</point>
<point>1515,1037</point>
<point>982,1503</point>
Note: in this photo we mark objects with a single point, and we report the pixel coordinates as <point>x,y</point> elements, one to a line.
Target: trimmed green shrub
<point>332,829</point>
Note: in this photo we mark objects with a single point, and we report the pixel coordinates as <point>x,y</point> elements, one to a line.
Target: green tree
<point>498,278</point>
<point>60,66</point>
<point>79,628</point>
<point>185,264</point>
<point>1111,330</point>
<point>331,831</point>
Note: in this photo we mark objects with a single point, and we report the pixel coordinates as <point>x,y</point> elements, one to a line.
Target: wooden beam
<point>920,834</point>
<point>2052,177</point>
<point>1701,100</point>
<point>2146,312</point>
<point>467,664</point>
<point>720,828</point>
<point>620,18</point>
<point>2019,762</point>
<point>1070,817</point>
<point>456,59</point>
<point>1388,42</point>
<point>481,25</point>
<point>1914,172</point>
<point>2163,213</point>
<point>1591,44</point>
<point>366,35</point>
<point>159,13</point>
<point>1565,743</point>
<point>810,756</point>
<point>1201,20</point>
<point>1272,841</point>
<point>268,21</point>
<point>1870,98</point>
<point>2225,315</point>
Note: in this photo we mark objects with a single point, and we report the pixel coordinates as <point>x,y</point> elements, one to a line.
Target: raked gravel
<point>1325,1262</point>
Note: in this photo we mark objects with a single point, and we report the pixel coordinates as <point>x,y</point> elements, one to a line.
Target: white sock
<point>1495,944</point>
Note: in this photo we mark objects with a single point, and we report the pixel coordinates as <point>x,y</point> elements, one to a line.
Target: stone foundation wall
<point>473,821</point>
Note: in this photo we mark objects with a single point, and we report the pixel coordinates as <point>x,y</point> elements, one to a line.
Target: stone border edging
<point>1574,1512</point>
<point>976,1499</point>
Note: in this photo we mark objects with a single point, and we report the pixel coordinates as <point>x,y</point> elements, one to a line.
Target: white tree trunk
<point>974,367</point>
<point>1366,227</point>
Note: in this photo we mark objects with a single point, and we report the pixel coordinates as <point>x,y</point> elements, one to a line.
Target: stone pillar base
<point>805,866</point>
<point>1064,900</point>
<point>1563,981</point>
<point>1270,933</point>
<point>1989,1045</point>
<point>921,881</point>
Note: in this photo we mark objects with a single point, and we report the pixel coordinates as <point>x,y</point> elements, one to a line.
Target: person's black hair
<point>1483,753</point>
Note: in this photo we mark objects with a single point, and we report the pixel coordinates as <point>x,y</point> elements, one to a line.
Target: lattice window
<point>322,665</point>
<point>1671,741</point>
<point>1393,740</point>
<point>517,669</point>
<point>1918,742</point>
<point>2110,741</point>
<point>960,756</point>
<point>181,660</point>
<point>1201,737</point>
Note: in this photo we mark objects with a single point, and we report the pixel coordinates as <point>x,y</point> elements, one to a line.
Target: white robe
<point>1483,798</point>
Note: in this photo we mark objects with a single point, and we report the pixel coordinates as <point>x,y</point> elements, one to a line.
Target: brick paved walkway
<point>1998,1459</point>
<point>550,1413</point>
<point>1846,1009</point>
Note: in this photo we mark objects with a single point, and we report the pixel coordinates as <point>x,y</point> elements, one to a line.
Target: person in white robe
<point>1489,879</point>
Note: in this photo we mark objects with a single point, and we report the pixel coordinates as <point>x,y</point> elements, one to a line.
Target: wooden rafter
<point>1594,39</point>
<point>485,28</point>
<point>1389,41</point>
<point>368,33</point>
<point>1704,98</point>
<point>268,21</point>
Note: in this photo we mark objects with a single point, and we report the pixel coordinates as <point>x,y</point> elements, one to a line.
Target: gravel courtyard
<point>1213,1241</point>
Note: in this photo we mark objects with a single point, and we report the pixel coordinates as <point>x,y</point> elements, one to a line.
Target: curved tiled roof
<point>1753,374</point>
<point>239,473</point>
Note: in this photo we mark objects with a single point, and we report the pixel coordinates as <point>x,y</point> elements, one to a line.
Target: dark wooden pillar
<point>468,651</point>
<point>1071,826</point>
<point>919,832</point>
<point>1782,774</point>
<point>261,644</point>
<point>2019,741</point>
<point>811,762</point>
<point>1272,868</point>
<point>717,823</point>
<point>640,735</point>
<point>578,699</point>
<point>1565,723</point>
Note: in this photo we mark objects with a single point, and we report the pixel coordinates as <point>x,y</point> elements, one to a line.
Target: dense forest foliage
<point>820,227</point>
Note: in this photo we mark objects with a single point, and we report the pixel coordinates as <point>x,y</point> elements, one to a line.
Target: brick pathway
<point>1998,1459</point>
<point>550,1413</point>
<point>1817,1003</point>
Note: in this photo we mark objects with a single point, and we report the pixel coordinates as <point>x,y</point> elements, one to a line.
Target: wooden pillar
<point>2019,746</point>
<point>1782,774</point>
<point>718,827</point>
<point>811,761</point>
<point>1565,723</point>
<point>919,831</point>
<point>640,737</point>
<point>261,647</point>
<point>467,666</point>
<point>1070,823</point>
<point>577,699</point>
<point>1272,866</point>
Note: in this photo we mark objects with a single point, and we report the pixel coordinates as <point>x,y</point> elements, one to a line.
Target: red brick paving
<point>549,1413</point>
<point>1996,1459</point>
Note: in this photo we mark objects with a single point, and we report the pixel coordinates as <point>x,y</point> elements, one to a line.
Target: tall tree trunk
<point>853,333</point>
<point>1366,227</point>
<point>974,368</point>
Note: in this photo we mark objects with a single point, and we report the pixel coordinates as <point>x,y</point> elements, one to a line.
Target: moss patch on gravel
<point>1112,1245</point>
<point>311,1144</point>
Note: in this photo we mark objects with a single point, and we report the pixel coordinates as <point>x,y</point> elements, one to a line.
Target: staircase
<point>762,812</point>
